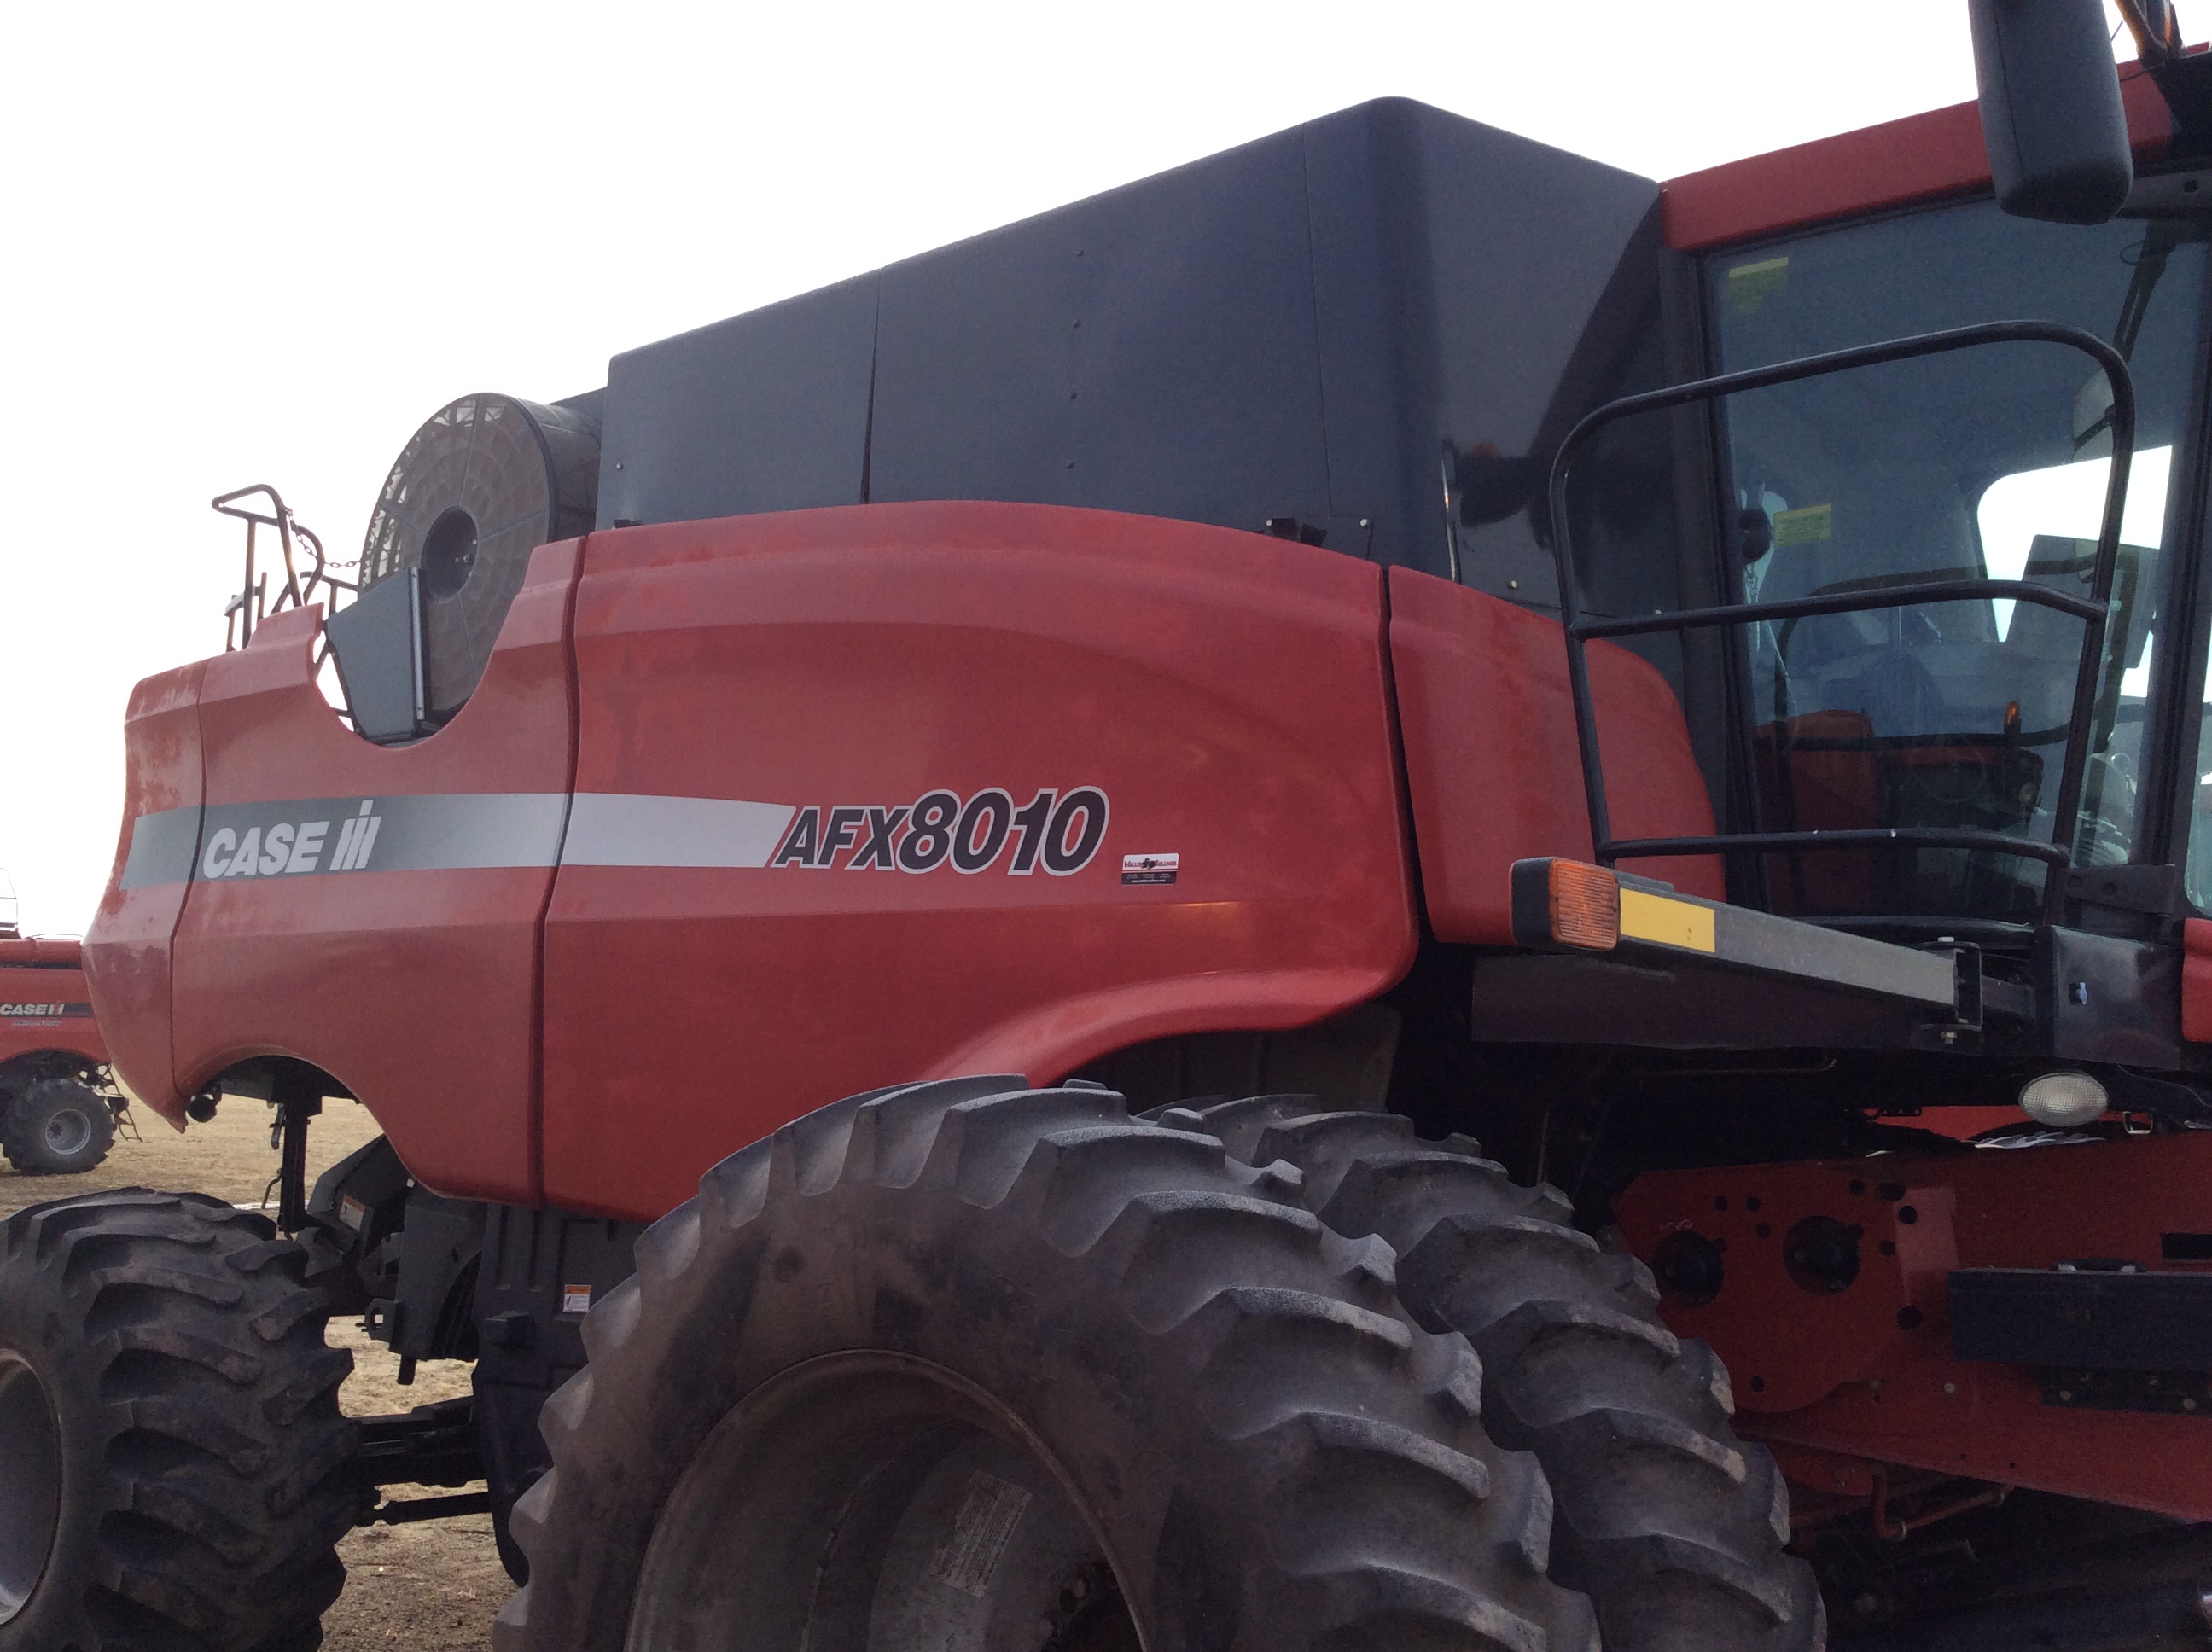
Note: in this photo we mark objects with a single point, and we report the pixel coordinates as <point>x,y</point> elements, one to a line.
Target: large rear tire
<point>172,1463</point>
<point>56,1126</point>
<point>976,1369</point>
<point>1674,1526</point>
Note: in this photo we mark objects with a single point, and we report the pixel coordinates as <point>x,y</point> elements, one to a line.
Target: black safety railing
<point>251,605</point>
<point>2092,610</point>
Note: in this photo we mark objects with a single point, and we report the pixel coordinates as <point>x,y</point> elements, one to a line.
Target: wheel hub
<point>1087,1615</point>
<point>866,1503</point>
<point>68,1132</point>
<point>30,1482</point>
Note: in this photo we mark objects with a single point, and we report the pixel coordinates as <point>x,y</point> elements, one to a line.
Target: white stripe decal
<point>449,832</point>
<point>610,828</point>
<point>162,848</point>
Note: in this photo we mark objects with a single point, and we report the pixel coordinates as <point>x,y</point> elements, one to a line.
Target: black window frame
<point>2174,709</point>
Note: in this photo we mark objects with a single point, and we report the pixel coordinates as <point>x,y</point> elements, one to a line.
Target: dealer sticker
<point>1149,868</point>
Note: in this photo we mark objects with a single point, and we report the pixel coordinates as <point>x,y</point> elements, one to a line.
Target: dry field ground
<point>427,1587</point>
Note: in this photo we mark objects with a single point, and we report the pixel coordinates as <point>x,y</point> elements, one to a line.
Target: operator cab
<point>1985,464</point>
<point>1916,534</point>
<point>1959,750</point>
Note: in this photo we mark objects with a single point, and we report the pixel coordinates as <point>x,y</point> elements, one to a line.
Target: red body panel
<point>1845,1375</point>
<point>44,1004</point>
<point>1923,157</point>
<point>415,989</point>
<point>128,956</point>
<point>1964,1123</point>
<point>1492,761</point>
<point>41,952</point>
<point>1227,693</point>
<point>1222,699</point>
<point>2196,981</point>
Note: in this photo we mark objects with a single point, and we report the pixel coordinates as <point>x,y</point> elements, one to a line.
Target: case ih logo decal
<point>45,1012</point>
<point>288,848</point>
<point>1060,834</point>
<point>317,836</point>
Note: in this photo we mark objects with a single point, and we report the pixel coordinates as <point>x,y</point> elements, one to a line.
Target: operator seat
<point>1864,707</point>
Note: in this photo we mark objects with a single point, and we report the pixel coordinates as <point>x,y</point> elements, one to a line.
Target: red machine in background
<point>933,890</point>
<point>58,1102</point>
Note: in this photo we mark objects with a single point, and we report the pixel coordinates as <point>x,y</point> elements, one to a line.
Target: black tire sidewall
<point>850,1271</point>
<point>1631,1424</point>
<point>184,1360</point>
<point>38,1320</point>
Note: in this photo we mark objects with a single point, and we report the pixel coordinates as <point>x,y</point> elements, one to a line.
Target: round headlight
<point>2062,1100</point>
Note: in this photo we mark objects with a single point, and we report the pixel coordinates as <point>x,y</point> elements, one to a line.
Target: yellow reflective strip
<point>1670,923</point>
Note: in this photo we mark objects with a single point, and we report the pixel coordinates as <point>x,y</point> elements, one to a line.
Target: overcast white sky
<point>252,244</point>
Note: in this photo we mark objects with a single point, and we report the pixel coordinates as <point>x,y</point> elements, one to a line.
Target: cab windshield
<point>1989,463</point>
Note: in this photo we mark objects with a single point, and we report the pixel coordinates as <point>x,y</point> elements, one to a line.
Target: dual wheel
<point>969,1366</point>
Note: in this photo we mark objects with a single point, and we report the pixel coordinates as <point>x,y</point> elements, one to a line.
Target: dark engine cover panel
<point>767,412</point>
<point>1309,326</point>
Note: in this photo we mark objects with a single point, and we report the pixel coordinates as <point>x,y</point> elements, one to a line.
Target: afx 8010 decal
<point>1053,832</point>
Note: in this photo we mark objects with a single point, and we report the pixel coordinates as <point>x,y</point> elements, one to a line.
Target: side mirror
<point>2051,115</point>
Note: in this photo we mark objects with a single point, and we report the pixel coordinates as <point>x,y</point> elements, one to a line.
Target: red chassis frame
<point>1838,1383</point>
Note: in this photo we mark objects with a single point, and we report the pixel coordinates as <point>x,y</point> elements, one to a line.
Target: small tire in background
<point>485,482</point>
<point>174,1467</point>
<point>56,1126</point>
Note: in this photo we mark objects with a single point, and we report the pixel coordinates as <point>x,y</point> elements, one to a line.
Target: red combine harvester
<point>1187,713</point>
<point>59,1103</point>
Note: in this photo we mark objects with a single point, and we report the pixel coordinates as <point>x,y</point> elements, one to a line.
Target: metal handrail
<point>1855,837</point>
<point>2094,612</point>
<point>1845,602</point>
<point>250,606</point>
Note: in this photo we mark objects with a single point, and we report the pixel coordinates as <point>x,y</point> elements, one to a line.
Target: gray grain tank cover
<point>485,482</point>
<point>1361,325</point>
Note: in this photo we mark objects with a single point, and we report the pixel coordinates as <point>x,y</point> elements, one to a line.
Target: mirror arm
<point>2155,29</point>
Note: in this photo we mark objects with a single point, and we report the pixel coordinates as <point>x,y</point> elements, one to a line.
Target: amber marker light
<point>1585,905</point>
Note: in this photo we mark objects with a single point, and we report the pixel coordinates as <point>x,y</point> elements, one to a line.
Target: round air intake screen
<point>484,483</point>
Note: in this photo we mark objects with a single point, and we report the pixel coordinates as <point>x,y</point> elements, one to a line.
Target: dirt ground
<point>432,1586</point>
